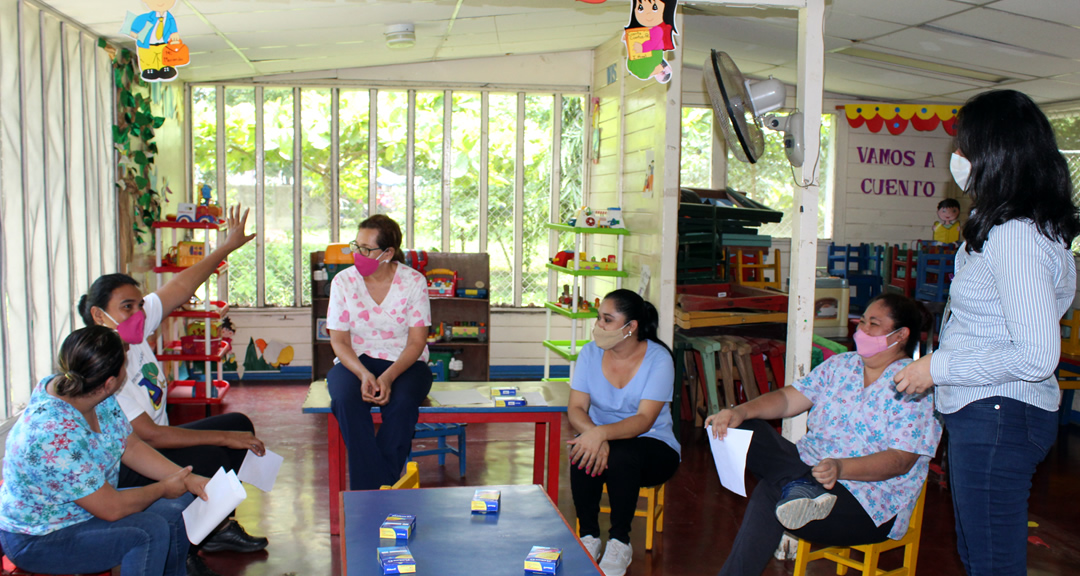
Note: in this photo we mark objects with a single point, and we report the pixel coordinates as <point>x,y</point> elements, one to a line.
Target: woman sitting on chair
<point>60,511</point>
<point>378,320</point>
<point>856,475</point>
<point>619,406</point>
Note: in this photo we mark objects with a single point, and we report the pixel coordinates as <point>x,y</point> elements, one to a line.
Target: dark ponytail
<point>88,358</point>
<point>100,293</point>
<point>634,307</point>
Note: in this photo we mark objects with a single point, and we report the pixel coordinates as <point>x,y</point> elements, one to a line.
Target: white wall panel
<point>54,184</point>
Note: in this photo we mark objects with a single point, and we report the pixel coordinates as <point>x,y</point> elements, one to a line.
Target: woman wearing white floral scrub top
<point>378,320</point>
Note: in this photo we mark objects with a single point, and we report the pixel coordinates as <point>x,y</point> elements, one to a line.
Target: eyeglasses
<point>363,250</point>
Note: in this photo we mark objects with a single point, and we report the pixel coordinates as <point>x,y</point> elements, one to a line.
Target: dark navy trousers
<point>377,459</point>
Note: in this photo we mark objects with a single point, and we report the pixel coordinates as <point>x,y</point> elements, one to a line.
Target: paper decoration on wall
<point>896,117</point>
<point>650,32</point>
<point>159,47</point>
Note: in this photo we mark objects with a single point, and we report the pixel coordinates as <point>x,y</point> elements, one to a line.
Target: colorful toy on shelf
<point>184,254</point>
<point>588,218</point>
<point>185,212</point>
<point>442,283</point>
<point>208,210</point>
<point>565,299</point>
<point>459,330</point>
<point>608,263</point>
<point>436,332</point>
<point>417,260</point>
<point>478,293</point>
<point>563,258</point>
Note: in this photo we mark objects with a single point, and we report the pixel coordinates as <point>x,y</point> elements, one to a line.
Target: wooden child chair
<point>871,552</point>
<point>653,513</point>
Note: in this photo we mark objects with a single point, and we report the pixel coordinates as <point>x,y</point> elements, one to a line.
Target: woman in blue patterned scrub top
<point>856,475</point>
<point>60,511</point>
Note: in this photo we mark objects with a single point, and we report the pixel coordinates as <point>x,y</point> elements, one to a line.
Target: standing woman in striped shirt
<point>1015,278</point>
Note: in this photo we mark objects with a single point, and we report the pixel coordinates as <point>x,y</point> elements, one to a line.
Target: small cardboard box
<point>398,527</point>
<point>396,560</point>
<point>486,501</point>
<point>509,401</point>
<point>498,391</point>
<point>543,560</point>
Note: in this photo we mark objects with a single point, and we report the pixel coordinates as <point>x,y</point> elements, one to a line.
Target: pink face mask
<point>867,345</point>
<point>364,265</point>
<point>132,329</point>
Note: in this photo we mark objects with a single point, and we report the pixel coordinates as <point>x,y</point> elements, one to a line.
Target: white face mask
<point>961,170</point>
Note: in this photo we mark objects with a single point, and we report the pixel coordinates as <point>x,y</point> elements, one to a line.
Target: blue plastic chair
<point>941,267</point>
<point>441,431</point>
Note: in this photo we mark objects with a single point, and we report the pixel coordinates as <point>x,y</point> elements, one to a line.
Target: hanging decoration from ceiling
<point>160,49</point>
<point>896,117</point>
<point>650,32</point>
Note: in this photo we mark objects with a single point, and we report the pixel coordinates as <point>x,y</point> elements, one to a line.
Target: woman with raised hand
<point>222,441</point>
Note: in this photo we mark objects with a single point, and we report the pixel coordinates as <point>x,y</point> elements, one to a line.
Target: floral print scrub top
<point>849,420</point>
<point>54,458</point>
<point>379,330</point>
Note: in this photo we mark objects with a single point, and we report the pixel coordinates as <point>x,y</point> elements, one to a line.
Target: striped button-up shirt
<point>1002,337</point>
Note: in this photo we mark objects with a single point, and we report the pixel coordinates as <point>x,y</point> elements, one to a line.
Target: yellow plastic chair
<point>871,552</point>
<point>653,513</point>
<point>411,478</point>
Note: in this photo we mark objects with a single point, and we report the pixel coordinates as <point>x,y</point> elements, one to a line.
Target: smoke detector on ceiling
<point>400,36</point>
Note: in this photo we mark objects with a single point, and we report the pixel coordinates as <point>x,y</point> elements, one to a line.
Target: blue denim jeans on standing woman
<point>146,543</point>
<point>994,446</point>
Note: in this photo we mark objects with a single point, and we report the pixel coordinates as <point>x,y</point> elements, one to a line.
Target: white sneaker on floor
<point>617,557</point>
<point>592,544</point>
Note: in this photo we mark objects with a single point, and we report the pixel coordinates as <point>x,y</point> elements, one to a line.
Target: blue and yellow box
<point>497,391</point>
<point>396,560</point>
<point>509,401</point>
<point>543,560</point>
<point>398,527</point>
<point>486,501</point>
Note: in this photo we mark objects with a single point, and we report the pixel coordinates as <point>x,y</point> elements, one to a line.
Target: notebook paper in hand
<point>224,493</point>
<point>730,457</point>
<point>260,471</point>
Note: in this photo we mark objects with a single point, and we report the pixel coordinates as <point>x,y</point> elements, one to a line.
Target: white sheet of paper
<point>459,397</point>
<point>534,398</point>
<point>730,457</point>
<point>260,471</point>
<point>225,493</point>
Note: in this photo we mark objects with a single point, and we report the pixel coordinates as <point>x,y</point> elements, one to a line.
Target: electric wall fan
<point>742,108</point>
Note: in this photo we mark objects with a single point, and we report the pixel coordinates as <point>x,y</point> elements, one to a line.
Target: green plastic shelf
<point>562,348</point>
<point>556,308</point>
<point>575,230</point>
<point>608,273</point>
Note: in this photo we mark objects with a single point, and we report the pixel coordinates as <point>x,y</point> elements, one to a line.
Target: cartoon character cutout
<point>650,32</point>
<point>159,47</point>
<point>947,228</point>
<point>150,382</point>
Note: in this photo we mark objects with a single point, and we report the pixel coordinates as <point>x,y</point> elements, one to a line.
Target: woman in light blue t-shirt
<point>619,407</point>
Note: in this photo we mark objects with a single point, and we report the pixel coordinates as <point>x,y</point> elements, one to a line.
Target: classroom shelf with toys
<point>196,337</point>
<point>573,302</point>
<point>458,284</point>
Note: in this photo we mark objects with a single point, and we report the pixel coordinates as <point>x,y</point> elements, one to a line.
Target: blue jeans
<point>994,446</point>
<point>146,543</point>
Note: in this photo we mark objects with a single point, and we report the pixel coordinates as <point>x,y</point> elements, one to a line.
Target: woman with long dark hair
<point>1000,344</point>
<point>620,408</point>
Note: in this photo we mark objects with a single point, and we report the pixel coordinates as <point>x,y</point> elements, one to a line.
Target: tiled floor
<point>700,524</point>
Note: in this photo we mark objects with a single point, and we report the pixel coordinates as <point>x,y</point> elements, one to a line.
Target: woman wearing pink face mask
<point>378,320</point>
<point>115,301</point>
<point>855,476</point>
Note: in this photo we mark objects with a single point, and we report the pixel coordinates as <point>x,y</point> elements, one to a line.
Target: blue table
<point>449,540</point>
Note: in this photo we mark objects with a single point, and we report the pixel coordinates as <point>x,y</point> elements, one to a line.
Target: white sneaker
<point>617,557</point>
<point>592,545</point>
